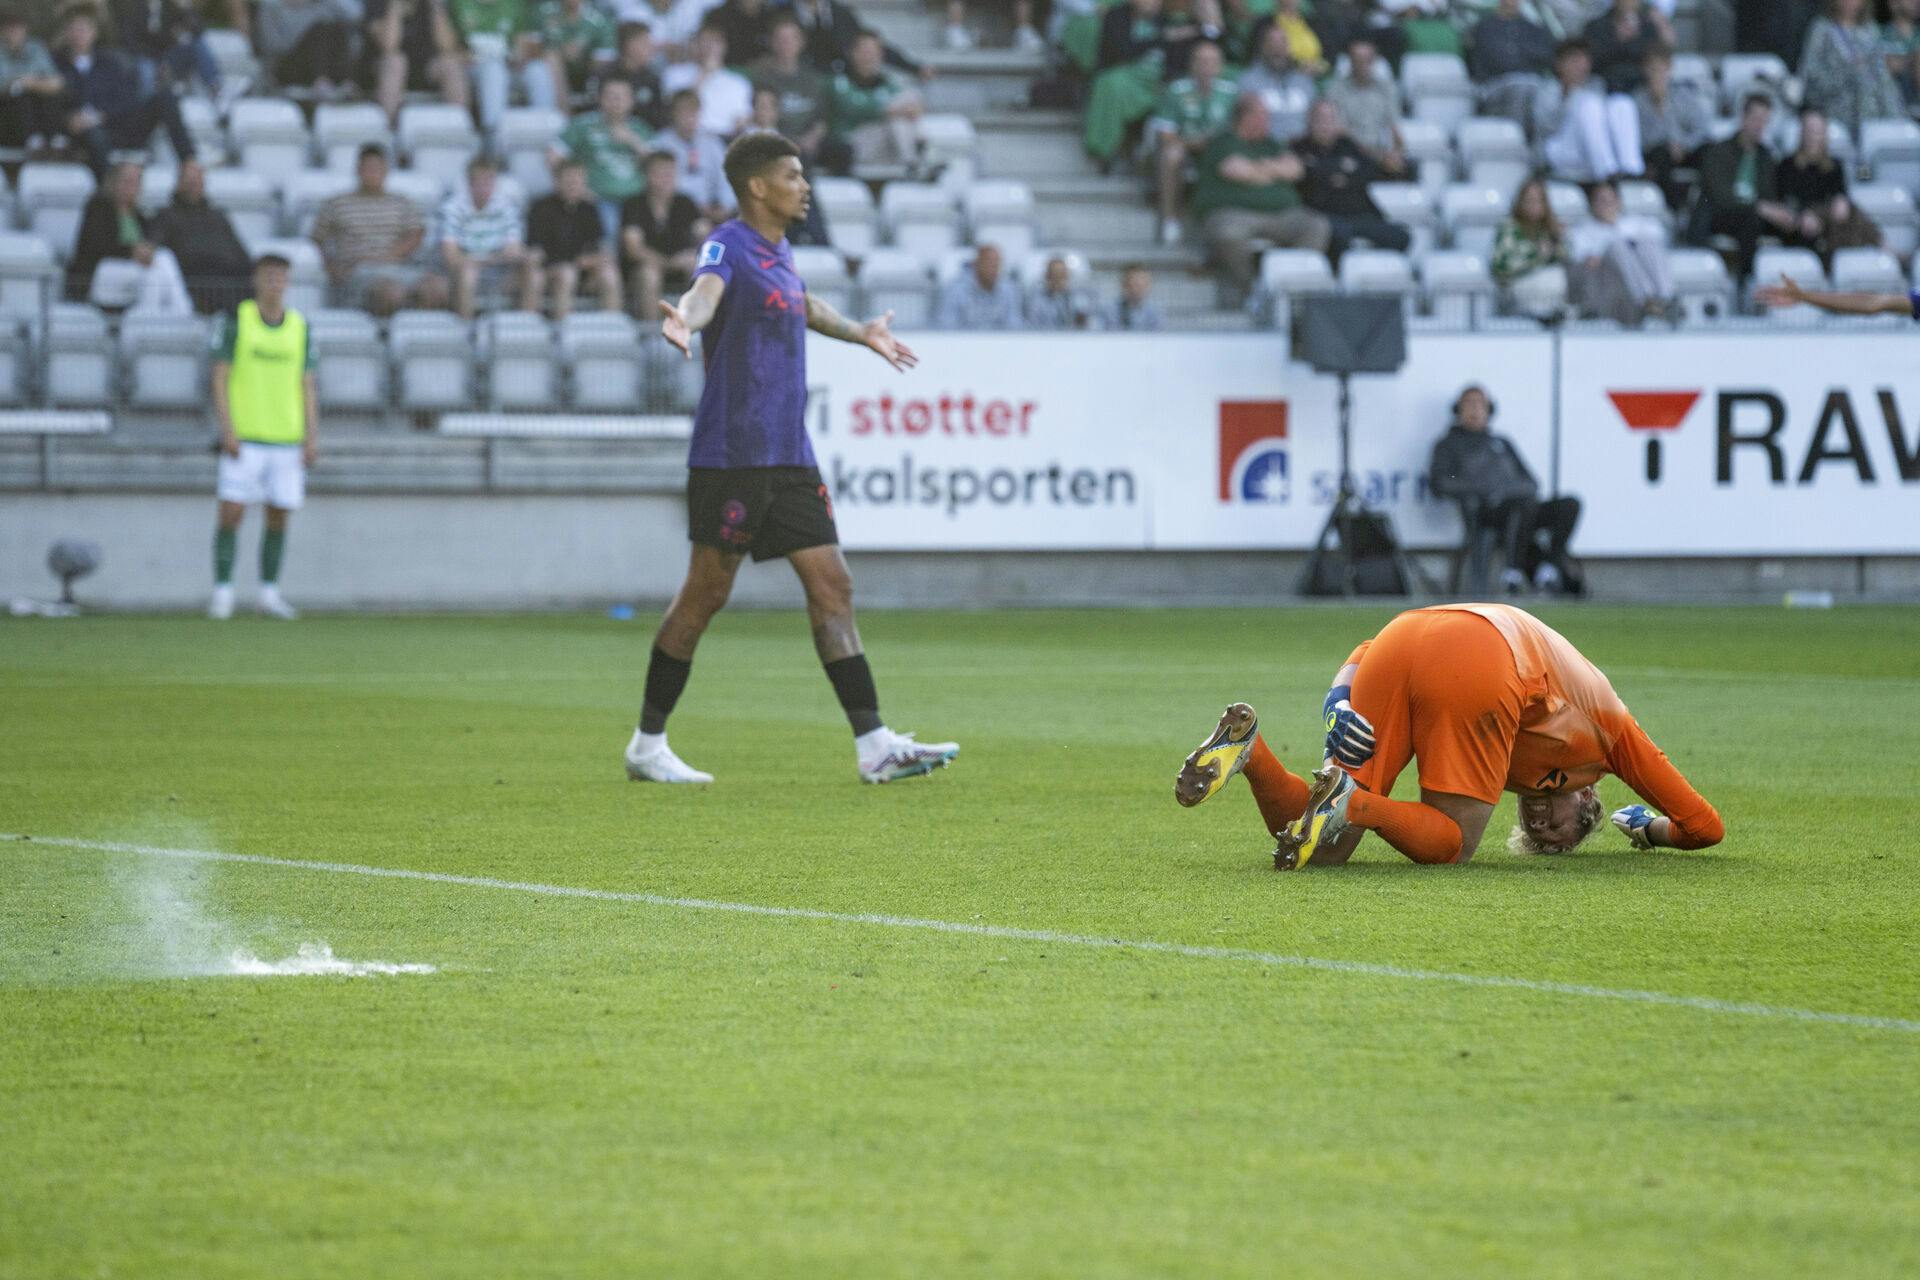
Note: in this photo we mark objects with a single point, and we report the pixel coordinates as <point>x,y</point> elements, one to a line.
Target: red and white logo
<point>1254,463</point>
<point>1652,413</point>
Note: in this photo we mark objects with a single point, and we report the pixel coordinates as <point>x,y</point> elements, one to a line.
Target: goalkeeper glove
<point>1349,734</point>
<point>1636,824</point>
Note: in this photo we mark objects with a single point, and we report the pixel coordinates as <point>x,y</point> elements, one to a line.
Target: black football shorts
<point>764,512</point>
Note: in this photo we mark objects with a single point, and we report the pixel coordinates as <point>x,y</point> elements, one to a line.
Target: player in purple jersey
<point>1789,294</point>
<point>752,486</point>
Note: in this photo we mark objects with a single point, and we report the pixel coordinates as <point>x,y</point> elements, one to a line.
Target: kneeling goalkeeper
<point>1487,698</point>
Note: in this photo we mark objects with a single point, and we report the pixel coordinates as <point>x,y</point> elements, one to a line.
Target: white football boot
<point>275,605</point>
<point>220,608</point>
<point>886,756</point>
<point>650,759</point>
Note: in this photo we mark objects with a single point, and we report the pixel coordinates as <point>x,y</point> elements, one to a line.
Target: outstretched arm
<point>1788,294</point>
<point>694,313</point>
<point>1689,821</point>
<point>876,335</point>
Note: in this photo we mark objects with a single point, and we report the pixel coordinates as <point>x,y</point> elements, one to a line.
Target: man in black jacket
<point>1486,475</point>
<point>1336,181</point>
<point>215,263</point>
<point>1739,186</point>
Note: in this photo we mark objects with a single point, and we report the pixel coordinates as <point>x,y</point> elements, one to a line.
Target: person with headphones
<point>1496,491</point>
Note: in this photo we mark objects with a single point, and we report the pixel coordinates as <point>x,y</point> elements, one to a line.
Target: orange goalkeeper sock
<point>1419,831</point>
<point>1281,795</point>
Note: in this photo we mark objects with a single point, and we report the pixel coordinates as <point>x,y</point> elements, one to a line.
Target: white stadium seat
<point>1430,148</point>
<point>80,364</point>
<point>269,136</point>
<point>248,200</point>
<point>433,361</point>
<point>1472,215</point>
<point>947,138</point>
<point>920,216</point>
<point>897,280</point>
<point>526,134</point>
<point>1291,273</point>
<point>1377,271</point>
<point>1000,212</point>
<point>1701,285</point>
<point>1803,265</point>
<point>1409,205</point>
<point>1867,271</point>
<point>602,350</point>
<point>1437,87</point>
<point>1891,149</point>
<point>165,359</point>
<point>1741,72</point>
<point>523,362</point>
<point>156,186</point>
<point>1892,209</point>
<point>352,370</point>
<point>16,350</point>
<point>302,194</point>
<point>51,197</point>
<point>825,274</point>
<point>1646,200</point>
<point>1494,153</point>
<point>437,138</point>
<point>29,279</point>
<point>203,126</point>
<point>1695,69</point>
<point>233,53</point>
<point>853,221</point>
<point>1569,203</point>
<point>1458,287</point>
<point>340,129</point>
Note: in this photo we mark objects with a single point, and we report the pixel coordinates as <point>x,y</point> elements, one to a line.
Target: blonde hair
<point>1518,841</point>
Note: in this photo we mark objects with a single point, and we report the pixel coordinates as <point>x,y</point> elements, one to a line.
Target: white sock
<point>645,744</point>
<point>872,743</point>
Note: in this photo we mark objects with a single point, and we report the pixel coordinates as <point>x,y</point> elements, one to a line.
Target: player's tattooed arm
<point>824,318</point>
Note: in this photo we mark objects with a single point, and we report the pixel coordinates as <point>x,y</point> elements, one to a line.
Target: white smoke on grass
<point>174,933</point>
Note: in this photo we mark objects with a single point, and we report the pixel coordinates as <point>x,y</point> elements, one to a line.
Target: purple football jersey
<point>753,410</point>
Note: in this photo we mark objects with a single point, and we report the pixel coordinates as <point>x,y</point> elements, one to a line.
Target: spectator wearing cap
<point>414,47</point>
<point>211,255</point>
<point>1369,104</point>
<point>1586,134</point>
<point>1620,38</point>
<point>699,157</point>
<point>1056,303</point>
<point>480,241</point>
<point>1509,56</point>
<point>309,42</point>
<point>611,144</point>
<point>634,64</point>
<point>109,109</point>
<point>800,97</point>
<point>570,243</point>
<point>1740,187</point>
<point>370,240</point>
<point>1675,122</point>
<point>1133,311</point>
<point>981,298</point>
<point>1844,68</point>
<point>503,49</point>
<point>660,231</point>
<point>871,113</point>
<point>1483,472</point>
<point>115,262</point>
<point>31,88</point>
<point>726,97</point>
<point>1338,173</point>
<point>1193,112</point>
<point>1247,190</point>
<point>578,37</point>
<point>1280,83</point>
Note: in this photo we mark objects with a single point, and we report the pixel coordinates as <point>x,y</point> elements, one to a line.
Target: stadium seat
<point>523,363</point>
<point>1001,212</point>
<point>825,273</point>
<point>1892,208</point>
<point>1429,148</point>
<point>306,272</point>
<point>897,280</point>
<point>1569,203</point>
<point>425,190</point>
<point>1646,200</point>
<point>920,216</point>
<point>233,52</point>
<point>268,136</point>
<point>1494,153</point>
<point>203,126</point>
<point>1867,271</point>
<point>1803,265</point>
<point>1741,72</point>
<point>1374,271</point>
<point>302,194</point>
<point>29,279</point>
<point>79,358</point>
<point>525,133</point>
<point>1696,69</point>
<point>156,187</point>
<point>1458,288</point>
<point>16,354</point>
<point>248,200</point>
<point>1409,205</point>
<point>1437,88</point>
<point>437,138</point>
<point>352,369</point>
<point>602,350</point>
<point>340,129</point>
<point>1290,273</point>
<point>433,361</point>
<point>1701,285</point>
<point>1472,214</point>
<point>948,137</point>
<point>51,197</point>
<point>1891,149</point>
<point>853,222</point>
<point>165,361</point>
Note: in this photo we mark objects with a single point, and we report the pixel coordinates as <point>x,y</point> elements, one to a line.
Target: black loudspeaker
<point>1357,334</point>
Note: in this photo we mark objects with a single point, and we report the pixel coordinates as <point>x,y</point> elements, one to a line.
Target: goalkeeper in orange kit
<point>1486,698</point>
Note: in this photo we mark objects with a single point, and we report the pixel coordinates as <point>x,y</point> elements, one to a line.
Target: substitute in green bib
<point>265,404</point>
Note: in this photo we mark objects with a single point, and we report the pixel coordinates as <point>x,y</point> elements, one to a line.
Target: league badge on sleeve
<point>710,254</point>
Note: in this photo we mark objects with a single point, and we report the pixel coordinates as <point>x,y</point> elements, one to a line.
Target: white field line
<point>1699,1004</point>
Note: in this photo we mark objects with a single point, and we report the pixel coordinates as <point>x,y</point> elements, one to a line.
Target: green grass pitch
<point>618,1088</point>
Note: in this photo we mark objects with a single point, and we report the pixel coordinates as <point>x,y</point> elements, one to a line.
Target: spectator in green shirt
<point>1193,112</point>
<point>1246,192</point>
<point>871,111</point>
<point>503,46</point>
<point>612,145</point>
<point>577,35</point>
